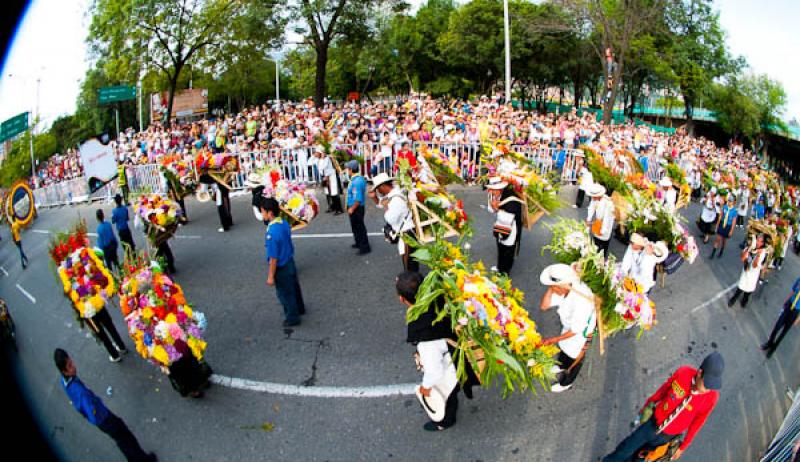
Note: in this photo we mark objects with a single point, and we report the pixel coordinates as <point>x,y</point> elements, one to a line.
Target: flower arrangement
<point>633,303</point>
<point>442,167</point>
<point>179,174</point>
<point>340,155</point>
<point>160,321</point>
<point>685,244</point>
<point>485,312</point>
<point>295,200</point>
<point>206,161</point>
<point>602,174</point>
<point>83,275</point>
<point>159,215</point>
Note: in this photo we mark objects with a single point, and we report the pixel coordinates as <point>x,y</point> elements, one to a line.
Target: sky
<point>50,46</point>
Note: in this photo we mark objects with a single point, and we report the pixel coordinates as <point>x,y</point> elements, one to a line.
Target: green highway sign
<point>13,126</point>
<point>118,93</point>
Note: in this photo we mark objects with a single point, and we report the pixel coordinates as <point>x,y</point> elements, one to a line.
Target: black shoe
<point>290,324</point>
<point>432,427</point>
<point>364,252</point>
<point>713,253</point>
<point>302,312</point>
<point>329,211</point>
<point>354,246</point>
<point>338,212</point>
<point>731,302</point>
<point>468,392</point>
<point>770,352</point>
<point>720,253</point>
<point>151,456</point>
<point>765,346</point>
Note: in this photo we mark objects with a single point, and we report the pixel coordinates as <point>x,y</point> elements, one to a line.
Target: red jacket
<point>671,394</point>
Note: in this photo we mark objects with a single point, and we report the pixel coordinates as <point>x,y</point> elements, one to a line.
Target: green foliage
<point>749,105</point>
<point>18,160</point>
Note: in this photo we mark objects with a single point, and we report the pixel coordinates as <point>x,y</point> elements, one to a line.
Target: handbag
<point>504,223</point>
<point>389,234</point>
<point>672,262</point>
<point>597,226</point>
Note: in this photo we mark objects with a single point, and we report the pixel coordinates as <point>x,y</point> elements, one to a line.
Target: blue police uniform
<point>785,321</point>
<point>278,244</point>
<point>726,221</point>
<point>357,192</point>
<point>108,243</point>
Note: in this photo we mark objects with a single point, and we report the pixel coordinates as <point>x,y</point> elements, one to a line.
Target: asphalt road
<point>354,336</point>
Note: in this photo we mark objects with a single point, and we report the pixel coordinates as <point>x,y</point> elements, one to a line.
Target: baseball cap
<point>712,368</point>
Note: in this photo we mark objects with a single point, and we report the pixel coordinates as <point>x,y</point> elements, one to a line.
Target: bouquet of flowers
<point>633,303</point>
<point>602,174</point>
<point>179,174</point>
<point>429,203</point>
<point>83,275</point>
<point>160,321</point>
<point>442,167</point>
<point>339,155</point>
<point>538,193</point>
<point>206,161</point>
<point>685,244</point>
<point>295,200</point>
<point>487,314</point>
<point>159,215</point>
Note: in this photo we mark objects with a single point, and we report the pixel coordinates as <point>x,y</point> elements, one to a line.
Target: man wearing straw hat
<point>508,226</point>
<point>576,310</point>
<point>600,217</point>
<point>669,195</point>
<point>390,198</point>
<point>640,260</point>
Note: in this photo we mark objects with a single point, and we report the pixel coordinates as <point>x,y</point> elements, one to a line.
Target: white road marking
<point>300,236</point>
<point>719,295</point>
<point>4,271</point>
<point>178,236</point>
<point>92,234</point>
<point>25,293</point>
<point>378,391</point>
<point>41,231</point>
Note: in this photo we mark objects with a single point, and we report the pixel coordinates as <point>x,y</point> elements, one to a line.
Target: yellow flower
<point>197,346</point>
<point>294,202</point>
<point>171,319</point>
<point>147,313</point>
<point>187,310</point>
<point>160,355</point>
<point>97,302</point>
<point>512,330</point>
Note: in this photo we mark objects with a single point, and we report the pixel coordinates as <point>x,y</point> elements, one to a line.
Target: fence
<point>299,164</point>
<point>782,447</point>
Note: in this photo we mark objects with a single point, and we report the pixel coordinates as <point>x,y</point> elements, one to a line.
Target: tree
<point>132,36</point>
<point>321,22</point>
<point>697,54</point>
<point>617,24</point>
<point>18,160</point>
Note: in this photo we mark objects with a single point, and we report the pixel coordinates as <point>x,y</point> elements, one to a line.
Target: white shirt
<point>748,280</point>
<point>586,178</point>
<point>397,214</point>
<point>577,316</point>
<point>602,210</point>
<point>670,199</point>
<point>436,362</point>
<point>709,213</point>
<point>640,266</point>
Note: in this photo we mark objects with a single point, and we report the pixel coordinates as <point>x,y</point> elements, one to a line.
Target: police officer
<point>281,271</point>
<point>356,194</point>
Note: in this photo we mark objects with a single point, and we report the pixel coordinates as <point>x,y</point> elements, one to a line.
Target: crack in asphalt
<point>312,380</point>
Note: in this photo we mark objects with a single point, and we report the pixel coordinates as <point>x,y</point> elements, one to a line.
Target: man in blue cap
<point>281,270</point>
<point>681,404</point>
<point>356,194</point>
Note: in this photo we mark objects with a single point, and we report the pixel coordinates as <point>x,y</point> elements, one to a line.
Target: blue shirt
<point>278,242</point>
<point>794,299</point>
<point>105,235</point>
<point>119,216</point>
<point>644,162</point>
<point>560,157</point>
<point>758,211</point>
<point>356,191</point>
<point>84,401</point>
<point>728,217</point>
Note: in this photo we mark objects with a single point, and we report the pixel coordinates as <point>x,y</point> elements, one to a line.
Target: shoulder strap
<point>511,199</point>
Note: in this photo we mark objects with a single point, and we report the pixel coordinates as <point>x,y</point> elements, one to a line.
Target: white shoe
<point>115,360</point>
<point>221,230</point>
<point>574,206</point>
<point>558,388</point>
<point>556,369</point>
<point>493,268</point>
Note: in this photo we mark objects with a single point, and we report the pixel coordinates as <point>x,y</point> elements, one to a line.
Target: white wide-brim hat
<point>558,274</point>
<point>665,182</point>
<point>379,179</point>
<point>496,182</point>
<point>638,239</point>
<point>596,190</point>
<point>254,180</point>
<point>660,250</point>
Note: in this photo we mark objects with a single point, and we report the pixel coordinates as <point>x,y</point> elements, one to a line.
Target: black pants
<point>579,199</point>
<point>335,203</point>
<point>114,427</point>
<point>745,297</point>
<point>287,287</point>
<point>783,324</point>
<point>110,257</point>
<point>645,437</point>
<point>105,327</point>
<point>126,238</point>
<point>450,409</point>
<point>602,245</point>
<point>409,263</point>
<point>224,210</point>
<point>22,257</point>
<point>359,229</point>
<point>505,257</point>
<point>567,376</point>
<point>164,252</point>
<point>182,204</point>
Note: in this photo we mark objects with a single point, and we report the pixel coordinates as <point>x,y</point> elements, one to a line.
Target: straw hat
<point>596,190</point>
<point>381,178</point>
<point>254,180</point>
<point>638,239</point>
<point>496,182</point>
<point>558,274</point>
<point>660,251</point>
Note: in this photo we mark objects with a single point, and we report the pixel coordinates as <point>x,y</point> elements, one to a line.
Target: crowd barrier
<point>299,164</point>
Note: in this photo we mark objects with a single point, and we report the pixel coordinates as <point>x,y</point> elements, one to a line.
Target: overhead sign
<point>99,163</point>
<point>187,103</point>
<point>13,126</point>
<point>118,93</point>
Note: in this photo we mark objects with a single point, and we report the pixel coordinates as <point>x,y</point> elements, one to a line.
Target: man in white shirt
<point>600,217</point>
<point>393,201</point>
<point>669,195</point>
<point>576,310</point>
<point>585,180</point>
<point>640,260</point>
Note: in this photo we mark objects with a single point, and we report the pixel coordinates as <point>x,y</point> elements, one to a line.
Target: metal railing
<point>299,164</point>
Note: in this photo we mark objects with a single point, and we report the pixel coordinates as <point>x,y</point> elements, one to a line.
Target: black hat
<point>712,368</point>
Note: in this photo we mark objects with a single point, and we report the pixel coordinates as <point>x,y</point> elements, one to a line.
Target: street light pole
<point>30,136</point>
<point>277,81</point>
<point>508,50</point>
